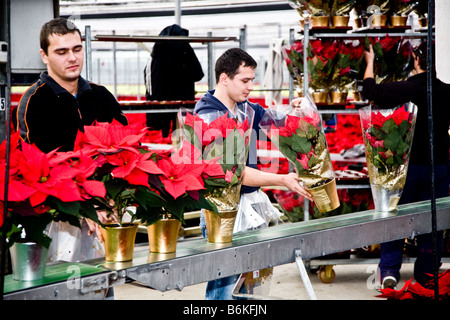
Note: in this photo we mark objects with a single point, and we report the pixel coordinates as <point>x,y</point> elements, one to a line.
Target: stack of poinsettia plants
<point>109,169</point>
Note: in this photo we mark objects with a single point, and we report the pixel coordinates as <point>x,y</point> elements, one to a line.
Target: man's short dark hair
<point>59,26</point>
<point>421,52</point>
<point>230,61</point>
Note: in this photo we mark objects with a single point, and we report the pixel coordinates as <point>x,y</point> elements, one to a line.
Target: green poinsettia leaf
<point>380,135</point>
<point>301,144</point>
<point>403,128</point>
<point>392,141</point>
<point>389,126</point>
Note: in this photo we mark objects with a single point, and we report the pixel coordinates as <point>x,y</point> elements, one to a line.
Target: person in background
<point>172,64</point>
<point>235,73</point>
<point>53,109</point>
<point>418,184</point>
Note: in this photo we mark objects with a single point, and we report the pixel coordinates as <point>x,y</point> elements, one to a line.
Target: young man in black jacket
<point>417,186</point>
<point>53,109</point>
<point>61,102</point>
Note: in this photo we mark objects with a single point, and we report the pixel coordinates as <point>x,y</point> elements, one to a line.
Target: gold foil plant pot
<point>388,136</point>
<point>299,136</point>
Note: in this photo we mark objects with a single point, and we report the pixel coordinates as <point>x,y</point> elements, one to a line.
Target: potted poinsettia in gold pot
<point>124,167</point>
<point>317,11</point>
<point>42,188</point>
<point>222,140</point>
<point>145,186</point>
<point>177,189</point>
<point>340,11</point>
<point>400,9</point>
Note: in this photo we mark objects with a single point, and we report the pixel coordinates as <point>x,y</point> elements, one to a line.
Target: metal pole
<point>114,66</point>
<point>7,137</point>
<point>243,38</point>
<point>87,37</point>
<point>430,69</point>
<point>291,81</point>
<point>209,46</point>
<point>305,56</point>
<point>178,12</point>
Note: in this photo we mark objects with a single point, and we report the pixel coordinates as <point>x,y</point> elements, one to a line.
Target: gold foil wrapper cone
<point>163,235</point>
<point>322,169</point>
<point>219,228</point>
<point>391,180</point>
<point>386,188</point>
<point>119,241</point>
<point>226,199</point>
<point>325,196</point>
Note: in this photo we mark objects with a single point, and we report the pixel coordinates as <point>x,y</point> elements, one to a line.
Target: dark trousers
<point>417,188</point>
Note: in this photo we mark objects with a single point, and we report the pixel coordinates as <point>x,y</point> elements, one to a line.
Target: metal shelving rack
<point>326,274</point>
<point>208,40</point>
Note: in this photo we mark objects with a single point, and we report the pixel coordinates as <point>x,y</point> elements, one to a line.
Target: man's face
<point>241,85</point>
<point>65,57</point>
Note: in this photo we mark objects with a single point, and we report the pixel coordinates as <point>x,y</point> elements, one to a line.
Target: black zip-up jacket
<point>50,117</point>
<point>414,89</point>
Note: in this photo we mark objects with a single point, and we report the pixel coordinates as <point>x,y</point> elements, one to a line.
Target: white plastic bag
<point>72,244</point>
<point>255,211</point>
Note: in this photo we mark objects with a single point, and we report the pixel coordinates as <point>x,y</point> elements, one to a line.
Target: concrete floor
<point>352,282</point>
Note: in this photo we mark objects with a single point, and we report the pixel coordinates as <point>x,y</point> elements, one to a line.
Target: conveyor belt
<point>197,261</point>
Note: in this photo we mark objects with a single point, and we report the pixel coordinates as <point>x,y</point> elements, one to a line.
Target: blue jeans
<point>220,289</point>
<point>417,188</point>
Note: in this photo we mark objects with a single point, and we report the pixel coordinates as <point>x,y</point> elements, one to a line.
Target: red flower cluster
<point>224,141</point>
<point>393,56</point>
<point>45,187</point>
<point>34,176</point>
<point>134,175</point>
<point>347,135</point>
<point>416,291</point>
<point>388,138</point>
<point>296,139</point>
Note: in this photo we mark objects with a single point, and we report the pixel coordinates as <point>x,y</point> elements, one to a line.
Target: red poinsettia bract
<point>34,176</point>
<point>417,291</point>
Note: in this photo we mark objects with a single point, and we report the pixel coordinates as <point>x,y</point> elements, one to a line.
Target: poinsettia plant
<point>402,7</point>
<point>388,138</point>
<point>341,7</point>
<point>307,8</point>
<point>140,183</point>
<point>219,139</point>
<point>392,58</point>
<point>180,187</point>
<point>298,134</point>
<point>293,57</point>
<point>43,188</point>
<point>332,64</point>
<point>321,61</point>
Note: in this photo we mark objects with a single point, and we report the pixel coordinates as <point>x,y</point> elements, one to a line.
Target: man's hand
<point>292,182</point>
<point>296,102</point>
<point>95,227</point>
<point>370,57</point>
